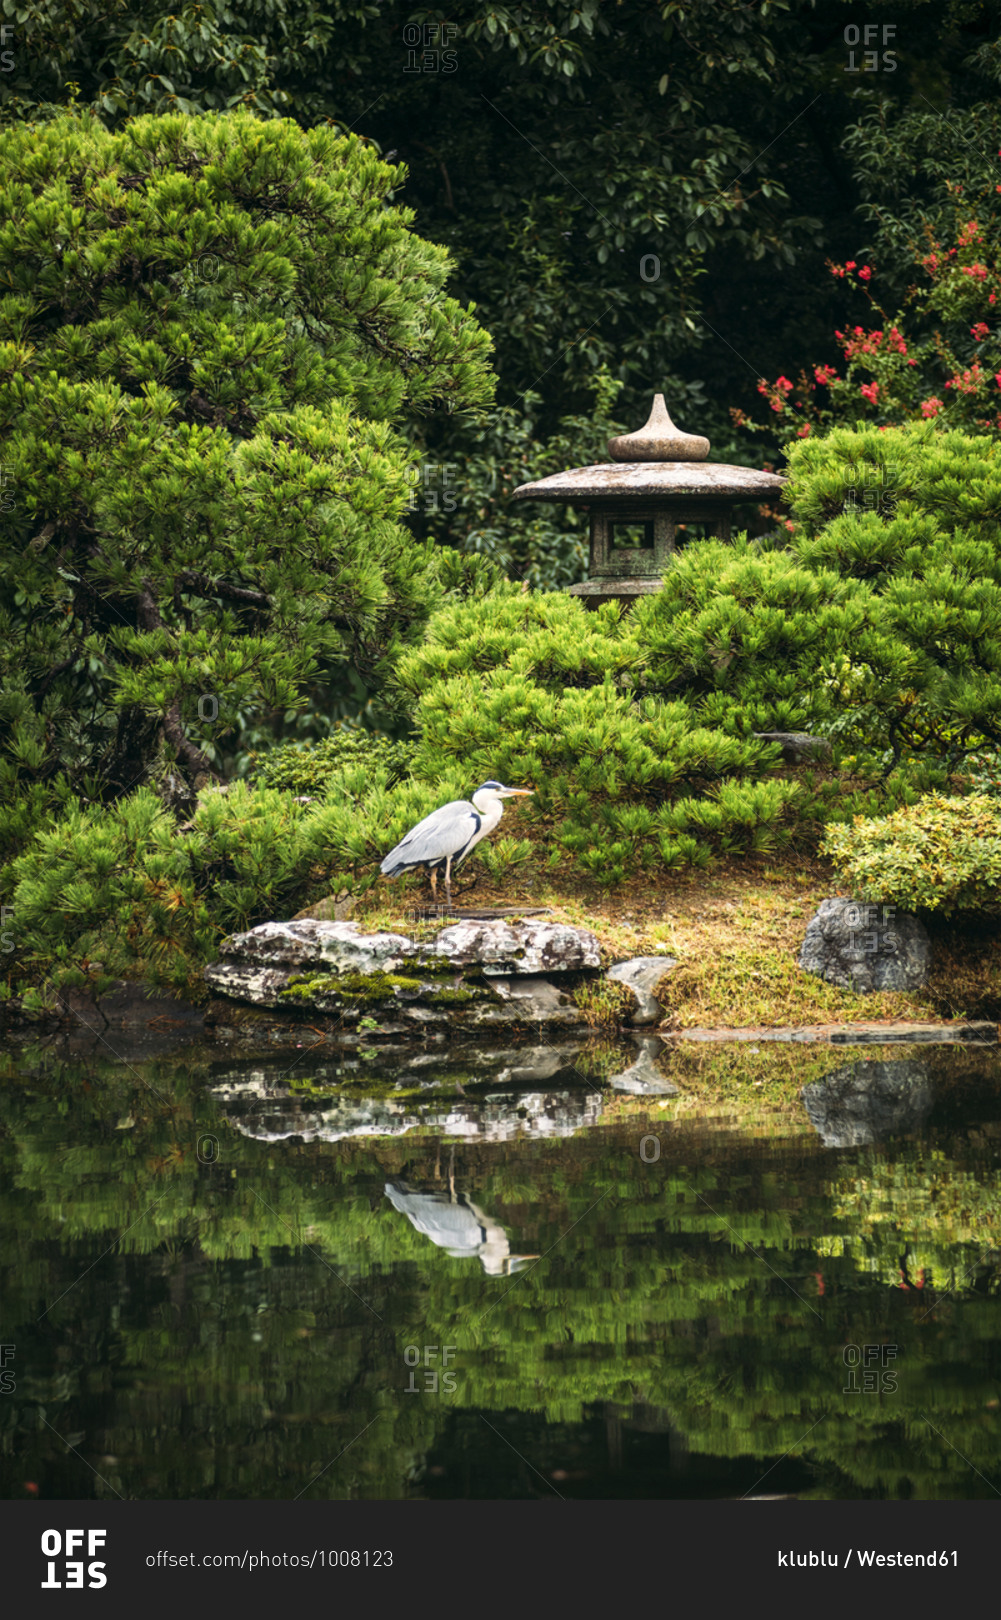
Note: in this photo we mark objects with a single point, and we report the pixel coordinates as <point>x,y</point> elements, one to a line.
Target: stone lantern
<point>658,492</point>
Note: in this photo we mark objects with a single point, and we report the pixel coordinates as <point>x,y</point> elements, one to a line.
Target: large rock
<point>505,948</point>
<point>530,1000</point>
<point>866,947</point>
<point>415,1002</point>
<point>497,948</point>
<point>641,975</point>
<point>247,981</point>
<point>864,1102</point>
<point>334,946</point>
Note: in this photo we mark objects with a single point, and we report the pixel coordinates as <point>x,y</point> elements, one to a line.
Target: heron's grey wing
<point>444,832</point>
<point>453,1226</point>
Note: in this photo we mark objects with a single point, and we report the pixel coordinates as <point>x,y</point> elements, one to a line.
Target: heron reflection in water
<point>454,1223</point>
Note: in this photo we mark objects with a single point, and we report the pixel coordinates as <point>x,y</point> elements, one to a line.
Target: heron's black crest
<point>490,784</point>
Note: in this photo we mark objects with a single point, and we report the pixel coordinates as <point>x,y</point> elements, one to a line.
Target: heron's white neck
<point>490,806</point>
<point>487,799</point>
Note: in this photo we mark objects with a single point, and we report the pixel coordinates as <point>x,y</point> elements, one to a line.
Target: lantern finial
<point>659,440</point>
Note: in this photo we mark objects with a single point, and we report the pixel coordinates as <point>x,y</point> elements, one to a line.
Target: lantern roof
<point>659,461</point>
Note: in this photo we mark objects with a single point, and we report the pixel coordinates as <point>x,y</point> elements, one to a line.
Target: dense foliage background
<point>650,192</point>
<point>257,474</point>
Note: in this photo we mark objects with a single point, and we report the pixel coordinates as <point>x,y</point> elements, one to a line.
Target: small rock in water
<point>866,947</point>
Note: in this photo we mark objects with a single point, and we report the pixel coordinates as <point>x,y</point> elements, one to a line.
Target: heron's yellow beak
<point>521,793</point>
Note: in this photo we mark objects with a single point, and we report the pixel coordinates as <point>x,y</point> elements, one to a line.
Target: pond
<point>740,1271</point>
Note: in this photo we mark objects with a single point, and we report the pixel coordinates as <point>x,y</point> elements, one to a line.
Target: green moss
<point>366,988</point>
<point>372,986</point>
<point>353,987</point>
<point>454,998</point>
<point>358,1086</point>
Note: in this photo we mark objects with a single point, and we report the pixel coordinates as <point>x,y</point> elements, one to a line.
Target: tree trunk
<point>139,734</point>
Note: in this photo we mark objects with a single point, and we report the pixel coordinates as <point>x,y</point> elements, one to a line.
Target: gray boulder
<point>866,947</point>
<point>641,975</point>
<point>863,1102</point>
<point>249,982</point>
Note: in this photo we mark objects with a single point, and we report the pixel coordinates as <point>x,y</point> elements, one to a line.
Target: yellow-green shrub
<point>941,854</point>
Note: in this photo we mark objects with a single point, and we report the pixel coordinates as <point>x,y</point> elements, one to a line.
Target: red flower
<point>979,271</point>
<point>849,264</point>
<point>865,273</point>
<point>980,330</point>
<point>931,407</point>
<point>870,391</point>
<point>803,432</point>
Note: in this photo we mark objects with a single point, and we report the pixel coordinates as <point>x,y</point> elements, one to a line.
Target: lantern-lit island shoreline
<point>657,492</point>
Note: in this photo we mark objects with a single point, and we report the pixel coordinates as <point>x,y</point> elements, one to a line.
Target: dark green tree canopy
<point>207,328</point>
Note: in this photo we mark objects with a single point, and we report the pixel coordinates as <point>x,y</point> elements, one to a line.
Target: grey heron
<point>446,836</point>
<point>454,1223</point>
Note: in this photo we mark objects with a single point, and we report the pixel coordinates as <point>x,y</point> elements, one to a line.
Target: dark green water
<point>229,1281</point>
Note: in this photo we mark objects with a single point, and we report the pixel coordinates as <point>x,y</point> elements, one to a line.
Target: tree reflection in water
<point>225,1324</point>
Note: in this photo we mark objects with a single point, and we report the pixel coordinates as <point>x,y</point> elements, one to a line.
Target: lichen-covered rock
<point>506,948</point>
<point>248,981</point>
<point>641,975</point>
<point>866,947</point>
<point>526,1000</point>
<point>497,948</point>
<point>330,945</point>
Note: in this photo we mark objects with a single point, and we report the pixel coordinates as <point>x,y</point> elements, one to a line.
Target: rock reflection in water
<point>454,1223</point>
<point>864,1102</point>
<point>272,1113</point>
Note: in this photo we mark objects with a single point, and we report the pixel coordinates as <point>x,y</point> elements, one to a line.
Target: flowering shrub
<point>938,356</point>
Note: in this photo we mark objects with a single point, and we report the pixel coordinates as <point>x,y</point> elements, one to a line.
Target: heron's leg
<point>448,881</point>
<point>433,870</point>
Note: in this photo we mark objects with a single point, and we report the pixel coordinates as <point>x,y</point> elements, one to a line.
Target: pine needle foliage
<point>879,629</point>
<point>208,327</point>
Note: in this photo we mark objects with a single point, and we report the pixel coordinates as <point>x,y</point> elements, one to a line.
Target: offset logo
<point>64,1568</point>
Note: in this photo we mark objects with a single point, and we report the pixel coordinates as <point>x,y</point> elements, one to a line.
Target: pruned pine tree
<point>208,327</point>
